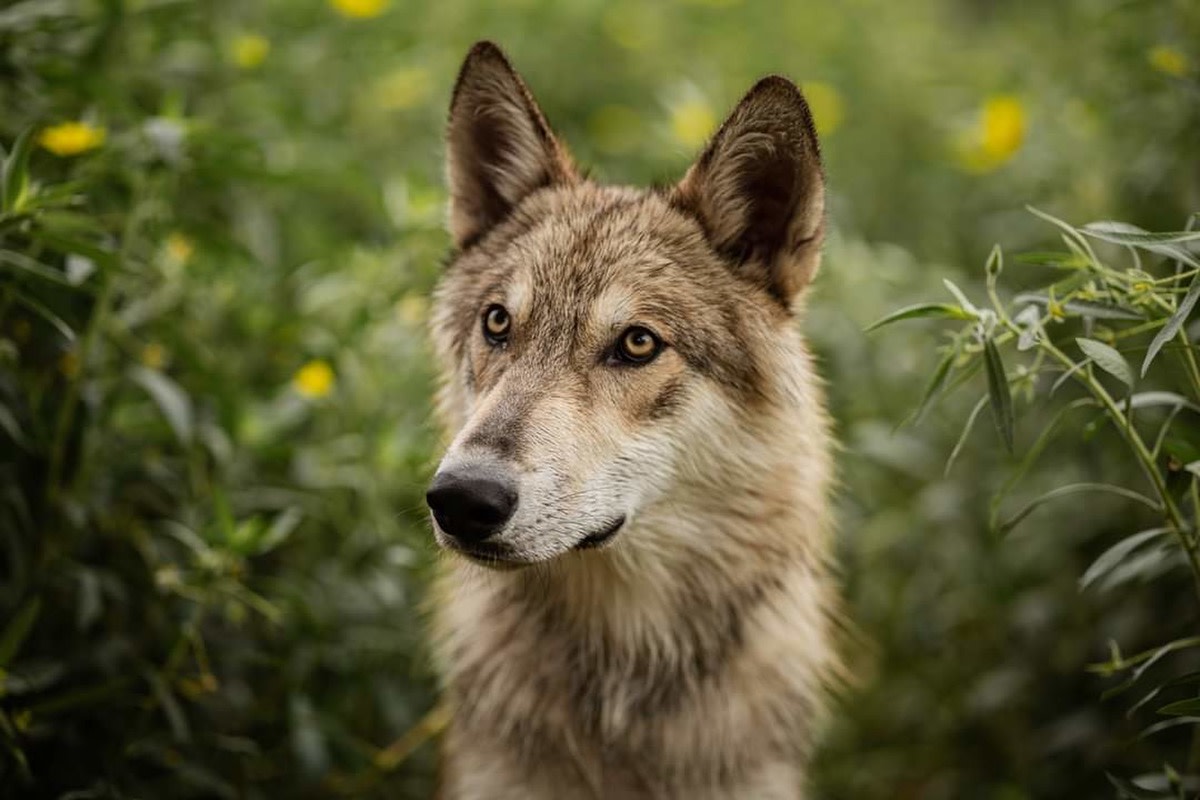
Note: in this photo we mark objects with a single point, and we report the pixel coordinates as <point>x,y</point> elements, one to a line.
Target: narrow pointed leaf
<point>17,629</point>
<point>1107,359</point>
<point>966,431</point>
<point>922,310</point>
<point>999,394</point>
<point>1076,488</point>
<point>1168,331</point>
<point>1114,555</point>
<point>1181,708</point>
<point>16,172</point>
<point>175,405</point>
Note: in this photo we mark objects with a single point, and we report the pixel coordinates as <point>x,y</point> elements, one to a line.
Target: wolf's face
<point>602,345</point>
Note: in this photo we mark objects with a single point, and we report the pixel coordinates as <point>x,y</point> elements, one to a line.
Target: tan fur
<point>689,656</point>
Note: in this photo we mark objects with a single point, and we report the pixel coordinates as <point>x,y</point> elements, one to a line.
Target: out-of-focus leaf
<point>999,394</point>
<point>16,172</point>
<point>23,263</point>
<point>1076,488</point>
<point>1107,359</point>
<point>17,629</point>
<point>922,311</point>
<point>1153,399</point>
<point>1059,260</point>
<point>1168,331</point>
<point>174,403</point>
<point>70,244</point>
<point>1114,555</point>
<point>1181,708</point>
<point>280,530</point>
<point>49,316</point>
<point>1128,790</point>
<point>9,424</point>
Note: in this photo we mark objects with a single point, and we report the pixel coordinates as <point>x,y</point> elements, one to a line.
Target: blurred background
<point>215,261</point>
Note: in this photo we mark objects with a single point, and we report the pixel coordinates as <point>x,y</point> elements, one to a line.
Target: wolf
<point>637,599</point>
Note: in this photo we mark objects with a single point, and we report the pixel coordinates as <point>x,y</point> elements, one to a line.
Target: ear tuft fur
<point>499,147</point>
<point>759,189</point>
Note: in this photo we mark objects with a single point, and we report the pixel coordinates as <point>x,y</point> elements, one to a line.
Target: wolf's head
<point>608,349</point>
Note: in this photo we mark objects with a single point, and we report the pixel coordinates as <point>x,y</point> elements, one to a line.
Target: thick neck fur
<point>696,645</point>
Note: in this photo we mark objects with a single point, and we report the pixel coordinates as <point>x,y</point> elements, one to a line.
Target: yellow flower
<point>998,134</point>
<point>692,122</point>
<point>179,247</point>
<point>1003,127</point>
<point>250,50</point>
<point>71,138</point>
<point>154,355</point>
<point>402,89</point>
<point>826,105</point>
<point>1168,60</point>
<point>314,379</point>
<point>616,129</point>
<point>360,9</point>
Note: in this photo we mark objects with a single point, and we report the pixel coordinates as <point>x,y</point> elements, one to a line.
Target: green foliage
<point>219,224</point>
<point>1155,426</point>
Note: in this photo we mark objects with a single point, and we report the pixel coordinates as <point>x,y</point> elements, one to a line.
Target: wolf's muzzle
<point>471,503</point>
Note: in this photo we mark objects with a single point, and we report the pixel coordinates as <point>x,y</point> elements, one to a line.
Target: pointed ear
<point>759,192</point>
<point>499,147</point>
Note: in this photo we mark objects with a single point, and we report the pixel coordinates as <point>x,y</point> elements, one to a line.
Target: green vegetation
<point>219,223</point>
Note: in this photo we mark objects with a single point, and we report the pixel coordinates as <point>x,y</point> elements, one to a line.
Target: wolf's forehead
<point>605,256</point>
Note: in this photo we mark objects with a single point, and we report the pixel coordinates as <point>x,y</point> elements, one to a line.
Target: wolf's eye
<point>638,345</point>
<point>496,323</point>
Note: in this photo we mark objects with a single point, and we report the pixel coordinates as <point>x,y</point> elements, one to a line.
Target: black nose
<point>471,503</point>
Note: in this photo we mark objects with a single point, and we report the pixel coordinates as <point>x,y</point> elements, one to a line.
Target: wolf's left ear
<point>499,147</point>
<point>759,191</point>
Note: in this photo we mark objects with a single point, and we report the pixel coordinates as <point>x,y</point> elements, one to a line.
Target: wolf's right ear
<point>499,147</point>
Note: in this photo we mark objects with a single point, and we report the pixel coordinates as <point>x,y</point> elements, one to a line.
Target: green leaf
<point>1156,399</point>
<point>1107,359</point>
<point>1168,331</point>
<point>1033,453</point>
<point>1076,488</point>
<point>17,629</point>
<point>16,172</point>
<point>1124,233</point>
<point>1164,244</point>
<point>1181,708</point>
<point>1082,308</point>
<point>56,321</point>
<point>922,310</point>
<point>1114,555</point>
<point>1128,790</point>
<point>23,263</point>
<point>936,382</point>
<point>962,437</point>
<point>68,244</point>
<point>961,297</point>
<point>175,405</point>
<point>1058,260</point>
<point>999,394</point>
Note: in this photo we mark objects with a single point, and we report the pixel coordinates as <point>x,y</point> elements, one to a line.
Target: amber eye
<point>496,323</point>
<point>638,345</point>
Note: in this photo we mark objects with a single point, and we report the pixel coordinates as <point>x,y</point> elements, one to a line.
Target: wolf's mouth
<point>598,539</point>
